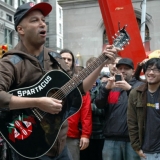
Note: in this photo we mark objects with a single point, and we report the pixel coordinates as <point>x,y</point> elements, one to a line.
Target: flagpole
<point>143,21</point>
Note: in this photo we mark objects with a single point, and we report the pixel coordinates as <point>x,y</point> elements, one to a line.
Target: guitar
<point>33,132</point>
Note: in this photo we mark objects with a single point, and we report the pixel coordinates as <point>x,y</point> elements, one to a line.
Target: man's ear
<point>20,30</point>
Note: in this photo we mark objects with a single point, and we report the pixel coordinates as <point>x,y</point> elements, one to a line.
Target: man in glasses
<point>143,113</point>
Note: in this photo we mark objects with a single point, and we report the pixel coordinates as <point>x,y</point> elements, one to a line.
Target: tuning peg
<point>116,35</point>
<point>113,37</point>
<point>128,43</point>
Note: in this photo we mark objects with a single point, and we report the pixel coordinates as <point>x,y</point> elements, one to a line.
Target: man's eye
<point>33,20</point>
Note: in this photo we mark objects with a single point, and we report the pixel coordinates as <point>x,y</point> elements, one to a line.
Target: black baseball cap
<point>24,9</point>
<point>126,61</point>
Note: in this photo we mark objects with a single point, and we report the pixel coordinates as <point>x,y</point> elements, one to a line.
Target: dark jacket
<point>97,115</point>
<point>115,102</point>
<point>19,69</point>
<point>136,115</point>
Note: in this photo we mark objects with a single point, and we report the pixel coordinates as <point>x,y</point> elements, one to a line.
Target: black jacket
<point>115,102</point>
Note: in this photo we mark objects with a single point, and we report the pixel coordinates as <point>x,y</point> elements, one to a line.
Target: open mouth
<point>43,33</point>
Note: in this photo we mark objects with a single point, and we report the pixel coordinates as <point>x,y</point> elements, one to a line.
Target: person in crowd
<point>113,97</point>
<point>69,59</point>
<point>139,70</point>
<point>143,114</point>
<point>112,67</point>
<point>78,139</point>
<point>103,77</point>
<point>94,150</point>
<point>27,63</point>
<point>79,68</point>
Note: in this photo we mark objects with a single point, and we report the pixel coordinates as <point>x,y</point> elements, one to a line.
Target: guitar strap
<point>54,56</point>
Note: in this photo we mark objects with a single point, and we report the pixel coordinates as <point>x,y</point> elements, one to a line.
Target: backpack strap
<point>55,56</point>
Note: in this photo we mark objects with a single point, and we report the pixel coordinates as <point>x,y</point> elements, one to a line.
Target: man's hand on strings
<point>50,105</point>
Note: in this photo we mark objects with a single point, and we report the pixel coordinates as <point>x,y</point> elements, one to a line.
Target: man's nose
<point>151,71</point>
<point>42,23</point>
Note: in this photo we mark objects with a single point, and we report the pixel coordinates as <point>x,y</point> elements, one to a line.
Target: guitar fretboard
<point>77,79</point>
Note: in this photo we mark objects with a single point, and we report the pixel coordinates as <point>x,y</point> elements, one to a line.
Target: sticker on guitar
<point>17,130</point>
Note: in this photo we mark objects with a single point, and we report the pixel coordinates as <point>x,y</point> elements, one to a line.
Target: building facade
<point>77,25</point>
<point>54,22</point>
<point>84,30</point>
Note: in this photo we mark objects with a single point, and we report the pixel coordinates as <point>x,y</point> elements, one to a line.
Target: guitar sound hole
<point>56,93</point>
<point>52,92</point>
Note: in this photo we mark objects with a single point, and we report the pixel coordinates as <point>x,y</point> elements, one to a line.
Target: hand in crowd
<point>111,53</point>
<point>111,83</point>
<point>50,105</point>
<point>123,84</point>
<point>143,62</point>
<point>84,142</point>
<point>119,84</point>
<point>141,154</point>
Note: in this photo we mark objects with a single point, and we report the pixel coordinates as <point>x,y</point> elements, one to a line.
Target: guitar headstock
<point>121,39</point>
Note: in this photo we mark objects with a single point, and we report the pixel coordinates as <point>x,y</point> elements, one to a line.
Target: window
<point>60,43</point>
<point>9,2</point>
<point>60,28</point>
<point>8,36</point>
<point>47,23</point>
<point>8,17</point>
<point>20,2</point>
<point>60,13</point>
<point>2,26</point>
<point>47,42</point>
<point>147,35</point>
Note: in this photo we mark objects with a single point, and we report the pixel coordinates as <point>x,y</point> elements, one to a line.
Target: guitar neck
<point>77,79</point>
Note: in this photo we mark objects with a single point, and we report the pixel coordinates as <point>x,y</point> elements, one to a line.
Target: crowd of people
<point>118,119</point>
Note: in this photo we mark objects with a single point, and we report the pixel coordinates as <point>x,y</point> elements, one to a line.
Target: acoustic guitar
<point>33,132</point>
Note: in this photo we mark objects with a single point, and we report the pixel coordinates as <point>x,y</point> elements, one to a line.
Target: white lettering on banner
<point>34,90</point>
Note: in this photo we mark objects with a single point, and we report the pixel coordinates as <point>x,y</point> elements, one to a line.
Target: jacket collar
<point>142,87</point>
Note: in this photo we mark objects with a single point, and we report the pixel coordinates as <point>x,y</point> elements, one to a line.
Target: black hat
<point>24,9</point>
<point>125,61</point>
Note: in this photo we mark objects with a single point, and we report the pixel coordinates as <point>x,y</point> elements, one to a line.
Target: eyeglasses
<point>154,70</point>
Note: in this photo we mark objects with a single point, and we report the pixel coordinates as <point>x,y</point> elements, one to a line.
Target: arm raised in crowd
<point>110,52</point>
